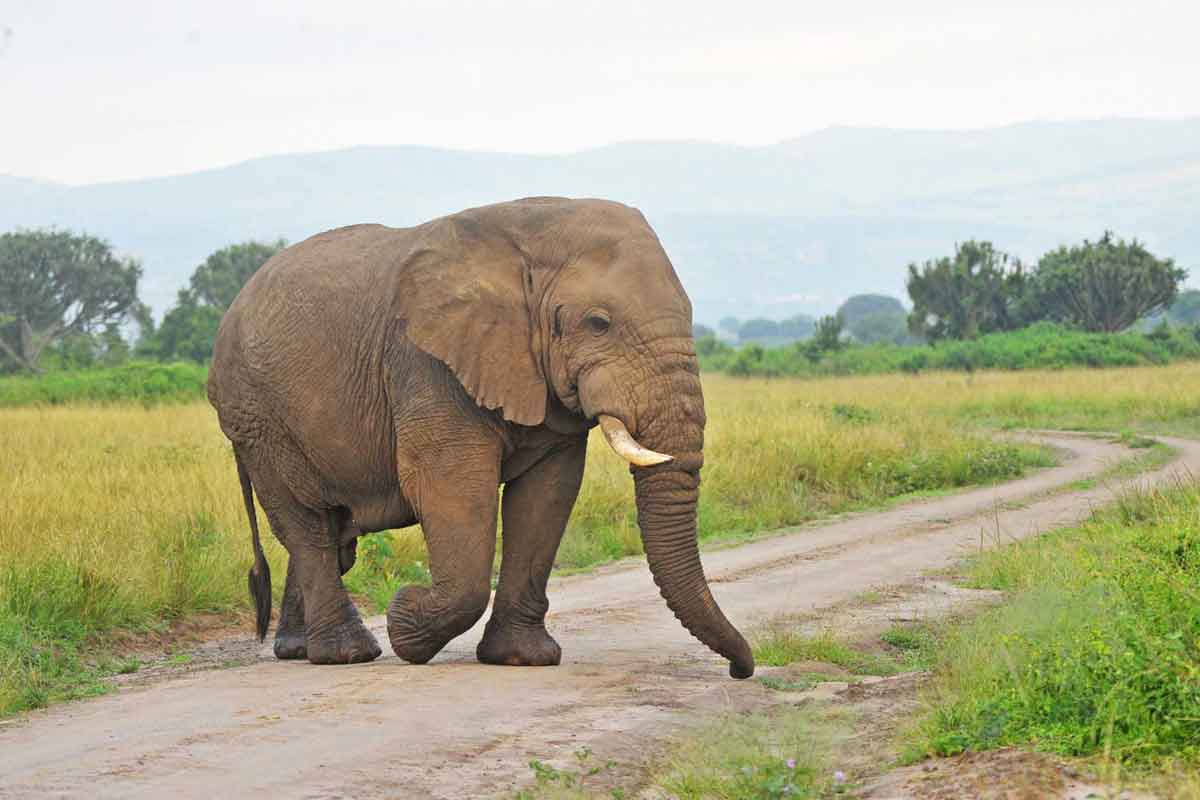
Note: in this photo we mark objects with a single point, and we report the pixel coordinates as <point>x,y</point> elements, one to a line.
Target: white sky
<point>93,91</point>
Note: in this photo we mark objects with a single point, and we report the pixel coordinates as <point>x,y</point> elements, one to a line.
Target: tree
<point>800,326</point>
<point>1103,286</point>
<point>218,280</point>
<point>56,284</point>
<point>979,290</point>
<point>827,338</point>
<point>874,318</point>
<point>189,329</point>
<point>861,305</point>
<point>758,328</point>
<point>881,326</point>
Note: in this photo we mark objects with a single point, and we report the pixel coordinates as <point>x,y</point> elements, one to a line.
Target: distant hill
<point>772,231</point>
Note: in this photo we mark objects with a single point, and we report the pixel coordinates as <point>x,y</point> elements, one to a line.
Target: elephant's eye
<point>597,324</point>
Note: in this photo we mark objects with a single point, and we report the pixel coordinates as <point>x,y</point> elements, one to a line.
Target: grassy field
<point>1096,653</point>
<point>124,516</point>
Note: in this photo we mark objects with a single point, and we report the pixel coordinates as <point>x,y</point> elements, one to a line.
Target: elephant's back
<point>300,329</point>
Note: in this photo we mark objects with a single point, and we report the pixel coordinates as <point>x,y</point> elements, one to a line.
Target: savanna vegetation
<point>122,516</point>
<point>1094,654</point>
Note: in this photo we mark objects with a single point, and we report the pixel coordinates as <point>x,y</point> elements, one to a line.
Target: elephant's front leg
<point>536,508</point>
<point>456,504</point>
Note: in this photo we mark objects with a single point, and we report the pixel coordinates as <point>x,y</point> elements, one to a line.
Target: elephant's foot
<point>291,645</point>
<point>410,634</point>
<point>517,645</point>
<point>421,623</point>
<point>347,642</point>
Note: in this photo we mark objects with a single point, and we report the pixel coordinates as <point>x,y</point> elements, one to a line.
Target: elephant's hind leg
<point>333,631</point>
<point>290,639</point>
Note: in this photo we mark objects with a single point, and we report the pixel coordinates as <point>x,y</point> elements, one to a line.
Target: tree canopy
<point>979,290</point>
<point>189,329</point>
<point>872,318</point>
<point>759,328</point>
<point>218,280</point>
<point>800,326</point>
<point>1102,286</point>
<point>56,284</point>
<point>862,305</point>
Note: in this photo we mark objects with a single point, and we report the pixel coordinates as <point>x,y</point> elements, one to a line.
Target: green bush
<point>145,382</point>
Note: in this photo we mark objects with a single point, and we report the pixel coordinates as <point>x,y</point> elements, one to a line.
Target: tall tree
<point>189,329</point>
<point>218,280</point>
<point>55,284</point>
<point>1103,286</point>
<point>979,290</point>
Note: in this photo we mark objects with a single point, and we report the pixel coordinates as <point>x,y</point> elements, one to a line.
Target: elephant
<point>372,378</point>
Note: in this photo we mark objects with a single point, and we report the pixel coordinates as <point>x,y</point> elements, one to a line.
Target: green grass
<point>899,649</point>
<point>1095,653</point>
<point>740,757</point>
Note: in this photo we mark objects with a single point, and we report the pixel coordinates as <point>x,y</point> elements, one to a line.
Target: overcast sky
<point>94,91</point>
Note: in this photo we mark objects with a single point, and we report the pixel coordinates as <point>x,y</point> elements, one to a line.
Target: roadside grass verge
<point>780,753</point>
<point>774,754</point>
<point>900,648</point>
<point>1096,653</point>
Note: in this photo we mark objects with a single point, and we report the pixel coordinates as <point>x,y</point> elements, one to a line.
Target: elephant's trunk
<point>666,503</point>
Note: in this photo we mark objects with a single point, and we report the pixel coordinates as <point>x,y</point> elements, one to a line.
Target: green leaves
<point>977,291</point>
<point>54,284</point>
<point>1102,286</point>
<point>189,329</point>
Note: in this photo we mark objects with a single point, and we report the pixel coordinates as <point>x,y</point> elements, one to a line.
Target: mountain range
<point>793,227</point>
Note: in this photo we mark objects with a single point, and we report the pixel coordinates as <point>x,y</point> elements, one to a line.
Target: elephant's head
<point>575,303</point>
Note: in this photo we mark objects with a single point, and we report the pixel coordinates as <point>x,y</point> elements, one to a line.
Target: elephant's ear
<point>465,303</point>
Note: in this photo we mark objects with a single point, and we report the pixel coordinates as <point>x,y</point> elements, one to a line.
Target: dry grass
<point>121,516</point>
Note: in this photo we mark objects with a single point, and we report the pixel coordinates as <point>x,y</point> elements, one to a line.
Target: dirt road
<point>455,728</point>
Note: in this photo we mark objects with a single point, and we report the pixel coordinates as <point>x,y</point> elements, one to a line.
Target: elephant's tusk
<point>624,445</point>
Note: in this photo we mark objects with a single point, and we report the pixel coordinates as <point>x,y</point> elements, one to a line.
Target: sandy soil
<point>455,728</point>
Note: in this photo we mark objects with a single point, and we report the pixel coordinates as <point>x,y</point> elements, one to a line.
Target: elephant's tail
<point>260,573</point>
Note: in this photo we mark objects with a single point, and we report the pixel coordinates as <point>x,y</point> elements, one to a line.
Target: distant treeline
<point>68,304</point>
<point>1045,345</point>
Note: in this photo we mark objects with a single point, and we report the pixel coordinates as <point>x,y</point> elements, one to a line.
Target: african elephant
<point>373,378</point>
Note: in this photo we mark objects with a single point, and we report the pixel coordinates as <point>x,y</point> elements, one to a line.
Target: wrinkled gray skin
<point>373,378</point>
